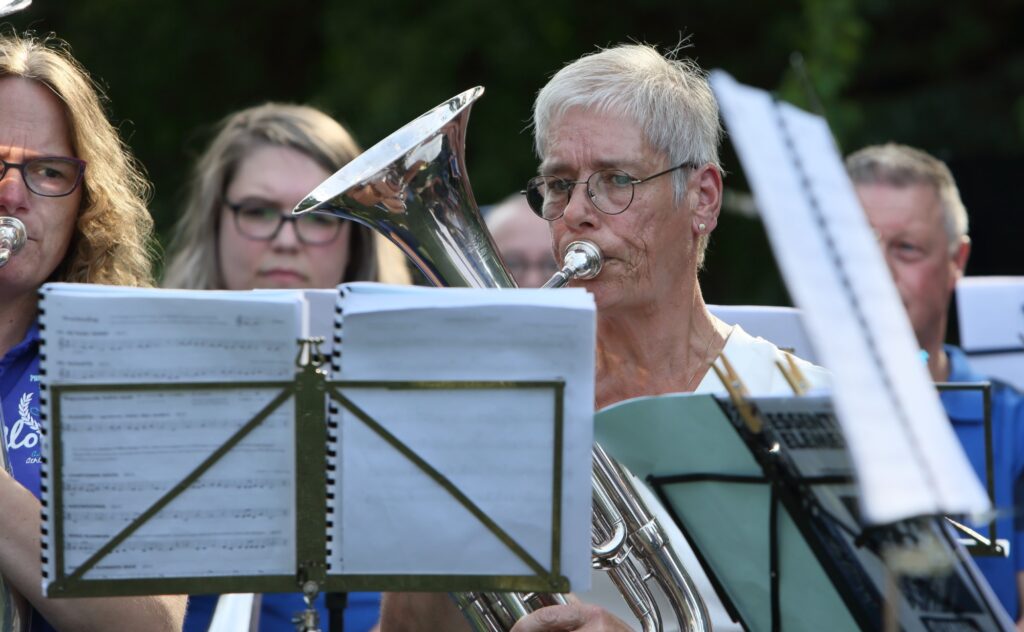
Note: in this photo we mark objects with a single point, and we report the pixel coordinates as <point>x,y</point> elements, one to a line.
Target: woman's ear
<point>705,188</point>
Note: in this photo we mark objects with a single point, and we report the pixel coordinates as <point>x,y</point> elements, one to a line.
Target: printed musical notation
<point>123,345</point>
<point>222,485</point>
<point>79,516</point>
<point>124,450</point>
<point>147,336</point>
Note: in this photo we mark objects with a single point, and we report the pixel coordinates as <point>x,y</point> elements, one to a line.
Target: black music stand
<point>763,491</point>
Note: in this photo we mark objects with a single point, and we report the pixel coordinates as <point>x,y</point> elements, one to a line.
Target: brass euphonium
<point>412,188</point>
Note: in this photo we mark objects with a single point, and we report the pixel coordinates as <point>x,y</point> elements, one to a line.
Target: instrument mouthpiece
<point>582,260</point>
<point>12,238</point>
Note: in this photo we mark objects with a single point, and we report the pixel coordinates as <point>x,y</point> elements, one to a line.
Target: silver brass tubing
<point>582,260</point>
<point>651,544</point>
<point>12,238</point>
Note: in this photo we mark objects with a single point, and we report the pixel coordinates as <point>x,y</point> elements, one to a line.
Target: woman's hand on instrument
<point>573,616</point>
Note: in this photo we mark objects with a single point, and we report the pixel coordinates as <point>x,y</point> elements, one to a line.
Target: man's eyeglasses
<point>521,266</point>
<point>262,222</point>
<point>611,191</point>
<point>50,176</point>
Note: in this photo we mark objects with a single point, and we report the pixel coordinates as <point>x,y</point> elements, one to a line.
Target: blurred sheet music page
<point>123,450</point>
<point>495,445</point>
<point>907,457</point>
<point>990,312</point>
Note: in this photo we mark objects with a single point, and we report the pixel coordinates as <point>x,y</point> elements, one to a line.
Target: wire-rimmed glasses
<point>610,190</point>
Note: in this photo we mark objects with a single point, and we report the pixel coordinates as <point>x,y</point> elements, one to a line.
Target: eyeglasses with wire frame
<point>48,176</point>
<point>260,221</point>
<point>610,190</point>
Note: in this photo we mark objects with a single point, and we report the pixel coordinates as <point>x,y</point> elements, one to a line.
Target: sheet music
<point>830,575</point>
<point>123,450</point>
<point>907,458</point>
<point>990,313</point>
<point>497,445</point>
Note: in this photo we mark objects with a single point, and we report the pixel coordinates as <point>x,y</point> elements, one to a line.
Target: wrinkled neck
<point>665,348</point>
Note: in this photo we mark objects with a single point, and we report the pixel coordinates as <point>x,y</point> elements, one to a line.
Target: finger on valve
<point>573,616</point>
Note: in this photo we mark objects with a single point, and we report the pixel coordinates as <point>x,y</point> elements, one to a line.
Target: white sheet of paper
<point>236,519</point>
<point>496,446</point>
<point>907,457</point>
<point>990,311</point>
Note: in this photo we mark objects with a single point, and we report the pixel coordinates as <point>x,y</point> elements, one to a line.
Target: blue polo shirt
<point>19,406</point>
<point>362,611</point>
<point>19,394</point>
<point>966,412</point>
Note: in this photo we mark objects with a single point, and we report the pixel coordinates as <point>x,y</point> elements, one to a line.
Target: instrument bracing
<point>412,188</point>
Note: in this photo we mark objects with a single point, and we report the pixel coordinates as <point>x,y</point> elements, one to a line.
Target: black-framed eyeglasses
<point>261,221</point>
<point>611,191</point>
<point>48,176</point>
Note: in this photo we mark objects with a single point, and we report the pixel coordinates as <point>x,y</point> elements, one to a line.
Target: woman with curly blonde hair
<point>66,175</point>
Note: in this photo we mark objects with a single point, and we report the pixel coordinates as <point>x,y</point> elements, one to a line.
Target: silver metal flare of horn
<point>12,238</point>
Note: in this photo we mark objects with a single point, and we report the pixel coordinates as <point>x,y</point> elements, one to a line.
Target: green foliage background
<point>946,77</point>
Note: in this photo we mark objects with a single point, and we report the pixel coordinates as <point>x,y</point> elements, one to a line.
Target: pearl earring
<point>701,227</point>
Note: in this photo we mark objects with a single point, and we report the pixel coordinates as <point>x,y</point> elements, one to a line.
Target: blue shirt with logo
<point>966,412</point>
<point>362,611</point>
<point>19,405</point>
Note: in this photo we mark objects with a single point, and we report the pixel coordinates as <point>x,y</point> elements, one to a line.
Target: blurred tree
<point>954,85</point>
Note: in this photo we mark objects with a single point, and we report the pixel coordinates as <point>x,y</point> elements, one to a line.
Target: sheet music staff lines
<point>287,391</point>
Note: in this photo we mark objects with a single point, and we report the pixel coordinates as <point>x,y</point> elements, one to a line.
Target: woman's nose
<point>13,192</point>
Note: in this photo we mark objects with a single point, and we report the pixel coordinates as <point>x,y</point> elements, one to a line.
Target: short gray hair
<point>669,98</point>
<point>901,166</point>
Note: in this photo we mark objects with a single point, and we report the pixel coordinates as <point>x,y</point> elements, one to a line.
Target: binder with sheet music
<point>774,519</point>
<point>191,445</point>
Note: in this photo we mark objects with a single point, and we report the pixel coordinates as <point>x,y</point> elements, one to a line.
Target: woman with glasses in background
<point>69,182</point>
<point>237,233</point>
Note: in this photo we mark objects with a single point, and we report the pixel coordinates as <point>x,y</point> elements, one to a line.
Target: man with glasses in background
<point>522,240</point>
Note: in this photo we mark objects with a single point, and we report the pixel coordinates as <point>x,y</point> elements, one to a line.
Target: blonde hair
<point>113,239</point>
<point>901,166</point>
<point>193,262</point>
<point>669,98</point>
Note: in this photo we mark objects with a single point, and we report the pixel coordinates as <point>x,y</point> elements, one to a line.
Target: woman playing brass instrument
<point>67,176</point>
<point>628,141</point>
<point>235,234</point>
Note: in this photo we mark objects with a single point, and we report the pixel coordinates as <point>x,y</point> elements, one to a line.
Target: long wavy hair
<point>193,261</point>
<point>113,239</point>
